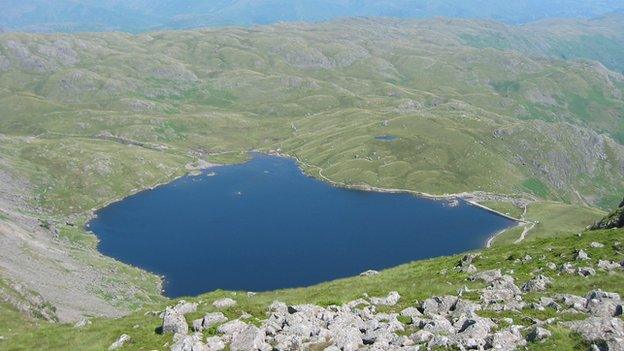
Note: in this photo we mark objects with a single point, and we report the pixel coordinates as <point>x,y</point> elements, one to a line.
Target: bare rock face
<point>614,220</point>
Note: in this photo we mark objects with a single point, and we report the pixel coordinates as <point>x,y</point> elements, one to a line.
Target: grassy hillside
<point>467,118</point>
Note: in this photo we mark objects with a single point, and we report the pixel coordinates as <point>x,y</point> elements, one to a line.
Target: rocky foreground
<point>473,319</point>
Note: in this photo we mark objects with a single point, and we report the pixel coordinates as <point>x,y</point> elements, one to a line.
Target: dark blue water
<point>263,225</point>
<point>386,138</point>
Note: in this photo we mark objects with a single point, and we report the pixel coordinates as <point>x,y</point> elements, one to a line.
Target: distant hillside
<point>142,15</point>
<point>476,105</point>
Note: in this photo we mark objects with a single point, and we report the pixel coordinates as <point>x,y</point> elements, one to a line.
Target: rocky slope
<point>614,220</point>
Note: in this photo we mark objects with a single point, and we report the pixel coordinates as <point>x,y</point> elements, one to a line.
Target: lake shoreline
<point>469,197</point>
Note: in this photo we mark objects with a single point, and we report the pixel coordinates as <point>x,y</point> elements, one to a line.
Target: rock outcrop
<point>614,220</point>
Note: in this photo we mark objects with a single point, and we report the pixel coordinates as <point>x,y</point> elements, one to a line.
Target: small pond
<point>386,137</point>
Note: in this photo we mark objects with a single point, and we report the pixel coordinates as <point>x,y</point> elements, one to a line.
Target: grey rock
<point>421,336</point>
<point>174,322</point>
<point>197,325</point>
<point>413,313</point>
<point>438,341</point>
<point>437,325</point>
<point>82,323</point>
<point>214,318</point>
<point>369,273</point>
<point>547,302</point>
<point>278,307</point>
<point>249,338</point>
<point>120,342</point>
<point>471,332</point>
<point>487,276</point>
<point>468,269</point>
<point>572,301</point>
<point>232,327</point>
<point>581,255</point>
<point>502,295</point>
<point>346,338</point>
<point>224,303</point>
<point>183,342</point>
<point>538,334</point>
<point>438,305</point>
<point>568,268</point>
<point>184,307</point>
<point>603,304</point>
<point>551,266</point>
<point>214,343</point>
<point>507,339</point>
<point>596,245</point>
<point>539,283</point>
<point>390,300</point>
<point>609,265</point>
<point>586,271</point>
<point>609,330</point>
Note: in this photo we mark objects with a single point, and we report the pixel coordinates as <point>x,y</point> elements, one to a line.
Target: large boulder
<point>471,333</point>
<point>209,320</point>
<point>441,305</point>
<point>231,328</point>
<point>174,322</point>
<point>347,338</point>
<point>502,295</point>
<point>182,342</point>
<point>603,304</point>
<point>249,338</point>
<point>507,339</point>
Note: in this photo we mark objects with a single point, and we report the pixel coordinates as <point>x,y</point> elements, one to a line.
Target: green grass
<point>507,208</point>
<point>536,187</point>
<point>552,219</point>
